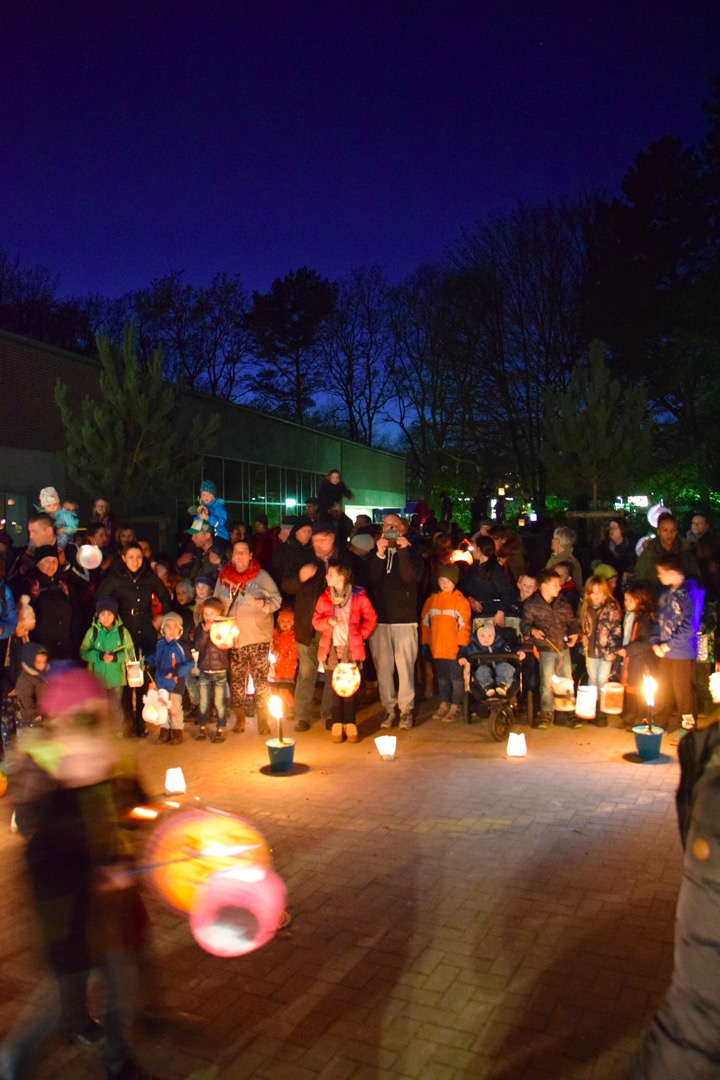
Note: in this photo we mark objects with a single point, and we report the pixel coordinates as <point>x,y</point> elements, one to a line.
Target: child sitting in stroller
<point>494,676</point>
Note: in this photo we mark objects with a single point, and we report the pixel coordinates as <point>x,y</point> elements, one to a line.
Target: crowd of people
<point>245,608</point>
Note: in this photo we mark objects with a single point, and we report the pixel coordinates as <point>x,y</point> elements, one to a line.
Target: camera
<point>391,535</point>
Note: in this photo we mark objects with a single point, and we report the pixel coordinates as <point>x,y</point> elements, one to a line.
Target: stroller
<point>501,712</point>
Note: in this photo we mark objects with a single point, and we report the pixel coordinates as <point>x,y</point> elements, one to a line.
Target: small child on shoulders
<point>172,661</point>
<point>65,517</point>
<point>211,511</point>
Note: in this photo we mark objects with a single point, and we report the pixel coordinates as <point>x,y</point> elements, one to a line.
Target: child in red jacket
<point>284,659</point>
<point>346,619</point>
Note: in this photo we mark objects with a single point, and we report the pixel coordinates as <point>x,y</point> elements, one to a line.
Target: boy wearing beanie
<point>445,627</point>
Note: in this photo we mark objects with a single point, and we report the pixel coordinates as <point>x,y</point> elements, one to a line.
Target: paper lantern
<point>654,513</point>
<point>224,633</point>
<point>612,698</point>
<point>175,782</point>
<point>237,911</point>
<point>586,706</point>
<point>386,745</point>
<point>3,784</point>
<point>188,846</point>
<point>89,556</point>
<point>462,555</point>
<point>346,679</point>
<point>516,745</point>
<point>563,694</point>
<point>156,707</point>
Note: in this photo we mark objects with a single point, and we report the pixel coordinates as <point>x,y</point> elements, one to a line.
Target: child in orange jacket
<point>445,627</point>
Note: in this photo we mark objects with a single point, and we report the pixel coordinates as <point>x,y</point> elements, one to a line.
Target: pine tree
<point>597,434</point>
<point>135,444</point>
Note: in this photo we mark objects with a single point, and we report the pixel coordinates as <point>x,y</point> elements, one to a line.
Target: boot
<point>164,735</point>
<point>239,725</point>
<point>176,737</point>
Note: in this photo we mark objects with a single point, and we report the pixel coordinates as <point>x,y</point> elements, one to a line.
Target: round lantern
<point>187,847</point>
<point>654,513</point>
<point>237,911</point>
<point>89,556</point>
<point>223,633</point>
<point>346,679</point>
<point>3,784</point>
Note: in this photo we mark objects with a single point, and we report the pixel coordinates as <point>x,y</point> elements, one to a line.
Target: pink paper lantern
<point>237,911</point>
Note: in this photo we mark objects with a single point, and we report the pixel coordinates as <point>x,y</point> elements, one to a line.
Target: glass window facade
<point>249,487</point>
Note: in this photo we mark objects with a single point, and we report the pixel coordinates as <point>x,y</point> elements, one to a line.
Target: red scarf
<point>236,582</point>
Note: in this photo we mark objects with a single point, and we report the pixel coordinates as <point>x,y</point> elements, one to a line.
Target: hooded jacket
<point>362,621</point>
<point>97,642</point>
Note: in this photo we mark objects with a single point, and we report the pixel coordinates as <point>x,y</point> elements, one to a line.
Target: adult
<point>204,560</point>
<point>58,622</point>
<point>617,549</point>
<point>138,592</point>
<point>124,535</point>
<point>332,489</point>
<point>704,544</point>
<point>486,585</point>
<point>393,579</point>
<point>292,553</point>
<point>438,555</point>
<point>306,583</point>
<point>509,550</point>
<point>341,523</point>
<point>562,549</point>
<point>263,541</point>
<point>667,542</point>
<point>8,617</point>
<point>251,597</point>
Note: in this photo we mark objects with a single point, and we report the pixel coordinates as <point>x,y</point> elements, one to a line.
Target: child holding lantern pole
<point>211,671</point>
<point>346,619</point>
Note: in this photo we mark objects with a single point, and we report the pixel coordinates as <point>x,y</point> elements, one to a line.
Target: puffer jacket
<point>99,641</point>
<point>210,658</point>
<point>445,624</point>
<point>677,620</point>
<point>362,622</point>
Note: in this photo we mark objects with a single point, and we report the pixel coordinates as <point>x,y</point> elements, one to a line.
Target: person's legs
<point>456,682</point>
<point>504,674</point>
<point>305,684</point>
<point>445,686</point>
<point>204,686</point>
<point>683,684</point>
<point>119,982</point>
<point>484,675</point>
<point>218,684</point>
<point>237,677</point>
<point>381,646</point>
<point>547,670</point>
<point>258,658</point>
<point>405,647</point>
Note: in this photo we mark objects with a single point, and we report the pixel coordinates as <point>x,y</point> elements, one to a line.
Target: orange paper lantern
<point>237,911</point>
<point>3,784</point>
<point>223,633</point>
<point>187,847</point>
<point>346,679</point>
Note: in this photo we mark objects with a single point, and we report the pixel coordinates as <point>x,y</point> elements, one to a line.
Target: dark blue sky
<point>141,136</point>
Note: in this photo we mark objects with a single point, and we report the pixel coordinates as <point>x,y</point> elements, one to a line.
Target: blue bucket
<point>648,742</point>
<point>281,754</point>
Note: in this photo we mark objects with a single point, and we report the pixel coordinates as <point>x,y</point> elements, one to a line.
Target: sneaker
<point>337,733</point>
<point>453,713</point>
<point>541,725</point>
<point>219,735</point>
<point>406,720</point>
<point>351,732</point>
<point>441,710</point>
<point>575,724</point>
<point>501,690</point>
<point>201,733</point>
<point>388,720</point>
<point>302,725</point>
<point>542,721</point>
<point>489,691</point>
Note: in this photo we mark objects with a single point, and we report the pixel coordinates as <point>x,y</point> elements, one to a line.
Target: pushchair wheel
<point>501,721</point>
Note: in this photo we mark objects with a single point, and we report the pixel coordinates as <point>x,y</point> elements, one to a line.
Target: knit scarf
<point>236,581</point>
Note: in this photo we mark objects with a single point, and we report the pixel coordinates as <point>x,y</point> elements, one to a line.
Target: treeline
<point>470,360</point>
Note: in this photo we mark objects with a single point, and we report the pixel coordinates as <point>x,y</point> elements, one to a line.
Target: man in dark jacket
<point>305,583</point>
<point>393,578</point>
<point>293,550</point>
<point>548,621</point>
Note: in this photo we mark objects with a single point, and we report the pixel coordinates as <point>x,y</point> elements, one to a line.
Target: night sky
<point>141,136</point>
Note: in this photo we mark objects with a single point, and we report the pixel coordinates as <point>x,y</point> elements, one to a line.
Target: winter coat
<point>607,630</point>
<point>393,582</point>
<point>210,658</point>
<point>287,559</point>
<point>255,623</point>
<point>445,624</point>
<point>492,588</point>
<point>620,556</point>
<point>99,641</point>
<point>29,686</point>
<point>566,555</point>
<point>362,622</point>
<point>218,518</point>
<point>640,659</point>
<point>555,619</point>
<point>8,613</point>
<point>58,623</point>
<point>172,661</point>
<point>677,620</point>
<point>285,655</point>
<point>646,566</point>
<point>306,594</point>
<point>134,593</point>
<point>500,645</point>
<point>331,493</point>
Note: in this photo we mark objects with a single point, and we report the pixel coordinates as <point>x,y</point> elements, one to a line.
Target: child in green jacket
<point>105,649</point>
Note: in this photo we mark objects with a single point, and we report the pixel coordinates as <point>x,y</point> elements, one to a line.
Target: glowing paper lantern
<point>175,782</point>
<point>187,847</point>
<point>237,911</point>
<point>89,556</point>
<point>516,745</point>
<point>346,679</point>
<point>3,784</point>
<point>462,555</point>
<point>156,706</point>
<point>224,633</point>
<point>655,511</point>
<point>386,745</point>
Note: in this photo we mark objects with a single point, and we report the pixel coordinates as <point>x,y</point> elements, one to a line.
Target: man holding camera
<point>393,579</point>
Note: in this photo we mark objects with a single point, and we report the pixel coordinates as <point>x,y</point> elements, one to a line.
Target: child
<point>674,638</point>
<point>445,628</point>
<point>548,622</point>
<point>106,648</point>
<point>568,588</point>
<point>30,683</point>
<point>601,631</point>
<point>495,677</point>
<point>203,591</point>
<point>284,659</point>
<point>211,511</point>
<point>64,517</point>
<point>210,669</point>
<point>636,653</point>
<point>346,619</point>
<point>172,661</point>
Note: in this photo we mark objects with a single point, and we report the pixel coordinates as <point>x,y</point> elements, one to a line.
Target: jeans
<point>598,671</point>
<point>451,686</point>
<point>499,674</point>
<point>306,679</point>
<point>552,663</point>
<point>211,687</point>
<point>395,645</point>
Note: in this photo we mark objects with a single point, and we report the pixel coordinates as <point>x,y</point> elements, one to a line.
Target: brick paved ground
<point>456,914</point>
